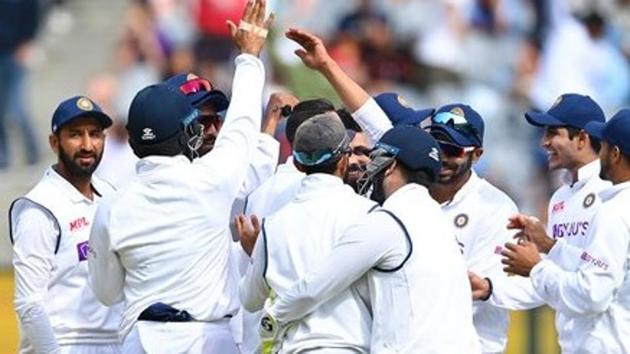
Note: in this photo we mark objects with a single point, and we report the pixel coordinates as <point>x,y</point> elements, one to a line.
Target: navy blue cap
<point>78,107</point>
<point>399,111</point>
<point>615,132</point>
<point>157,113</point>
<point>215,97</point>
<point>417,149</point>
<point>461,124</point>
<point>570,109</point>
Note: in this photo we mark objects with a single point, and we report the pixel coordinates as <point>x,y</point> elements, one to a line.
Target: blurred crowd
<point>502,57</point>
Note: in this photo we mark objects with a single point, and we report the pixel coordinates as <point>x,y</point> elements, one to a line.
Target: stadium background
<point>501,56</point>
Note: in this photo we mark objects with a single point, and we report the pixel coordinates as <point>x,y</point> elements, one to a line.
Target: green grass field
<point>530,332</point>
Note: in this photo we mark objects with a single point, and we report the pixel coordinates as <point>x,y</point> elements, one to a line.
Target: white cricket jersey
<point>265,200</point>
<point>570,213</point>
<point>50,227</point>
<point>593,287</point>
<point>293,241</point>
<point>165,237</point>
<point>417,279</point>
<point>479,213</point>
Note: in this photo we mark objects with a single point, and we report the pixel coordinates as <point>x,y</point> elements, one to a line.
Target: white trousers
<point>90,349</point>
<point>180,337</point>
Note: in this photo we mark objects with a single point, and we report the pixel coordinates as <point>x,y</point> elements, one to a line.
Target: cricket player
<point>162,244</point>
<point>571,208</point>
<point>472,204</point>
<point>49,229</point>
<point>274,193</point>
<point>591,287</point>
<point>296,237</point>
<point>418,288</point>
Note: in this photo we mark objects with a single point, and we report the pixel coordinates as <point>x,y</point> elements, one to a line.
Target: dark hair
<point>596,145</point>
<point>303,111</point>
<point>348,121</point>
<point>329,167</point>
<point>422,177</point>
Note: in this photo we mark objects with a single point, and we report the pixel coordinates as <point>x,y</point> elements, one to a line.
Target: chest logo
<point>558,207</point>
<point>83,249</point>
<point>461,220</point>
<point>588,200</point>
<point>79,224</point>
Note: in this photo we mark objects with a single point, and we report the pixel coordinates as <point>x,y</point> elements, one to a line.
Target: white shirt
<point>479,213</point>
<point>270,196</point>
<point>293,241</point>
<point>593,288</point>
<point>50,229</point>
<point>165,237</point>
<point>570,213</point>
<point>418,284</point>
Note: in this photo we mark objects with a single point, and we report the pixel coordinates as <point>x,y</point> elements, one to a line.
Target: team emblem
<point>402,101</point>
<point>461,220</point>
<point>147,134</point>
<point>85,104</point>
<point>588,200</point>
<point>458,111</point>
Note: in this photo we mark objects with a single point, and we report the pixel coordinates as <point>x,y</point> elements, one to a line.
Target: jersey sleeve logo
<point>461,220</point>
<point>588,200</point>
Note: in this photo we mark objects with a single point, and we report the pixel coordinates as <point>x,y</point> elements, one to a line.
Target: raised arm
<point>364,109</point>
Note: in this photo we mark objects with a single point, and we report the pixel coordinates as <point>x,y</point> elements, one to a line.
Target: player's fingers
<point>262,8</point>
<point>247,12</point>
<point>269,21</point>
<point>255,13</point>
<point>231,27</point>
<point>510,247</point>
<point>255,222</point>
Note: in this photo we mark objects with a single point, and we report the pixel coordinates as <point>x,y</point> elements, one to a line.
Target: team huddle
<point>375,236</point>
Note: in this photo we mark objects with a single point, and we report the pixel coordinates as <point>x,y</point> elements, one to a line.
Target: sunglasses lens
<point>458,122</point>
<point>451,150</point>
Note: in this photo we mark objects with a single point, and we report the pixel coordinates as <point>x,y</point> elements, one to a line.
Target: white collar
<point>70,190</point>
<point>150,163</point>
<point>585,173</point>
<point>612,191</point>
<point>317,183</point>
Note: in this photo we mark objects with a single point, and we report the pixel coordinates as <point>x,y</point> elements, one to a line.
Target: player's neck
<point>82,184</point>
<point>444,192</point>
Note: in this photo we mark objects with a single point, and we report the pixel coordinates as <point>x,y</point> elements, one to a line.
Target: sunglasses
<point>195,85</point>
<point>453,150</point>
<point>458,123</point>
<point>208,120</point>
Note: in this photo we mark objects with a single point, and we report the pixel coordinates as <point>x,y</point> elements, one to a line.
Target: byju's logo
<point>83,249</point>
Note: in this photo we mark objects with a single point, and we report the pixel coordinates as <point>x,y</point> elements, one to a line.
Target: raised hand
<point>277,101</point>
<point>313,53</point>
<point>248,230</point>
<point>252,30</point>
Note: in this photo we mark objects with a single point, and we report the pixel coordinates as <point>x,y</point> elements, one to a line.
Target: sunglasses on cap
<point>452,150</point>
<point>457,122</point>
<point>317,158</point>
<point>195,85</point>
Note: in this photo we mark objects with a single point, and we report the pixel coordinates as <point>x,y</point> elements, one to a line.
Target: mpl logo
<point>558,207</point>
<point>83,249</point>
<point>79,224</point>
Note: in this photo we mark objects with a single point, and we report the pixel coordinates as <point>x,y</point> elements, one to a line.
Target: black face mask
<point>378,191</point>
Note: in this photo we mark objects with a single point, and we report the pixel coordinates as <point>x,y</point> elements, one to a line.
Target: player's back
<point>298,236</point>
<point>172,239</point>
<point>422,304</point>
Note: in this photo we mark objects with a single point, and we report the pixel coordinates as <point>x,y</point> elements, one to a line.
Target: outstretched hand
<point>531,229</point>
<point>251,32</point>
<point>313,53</point>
